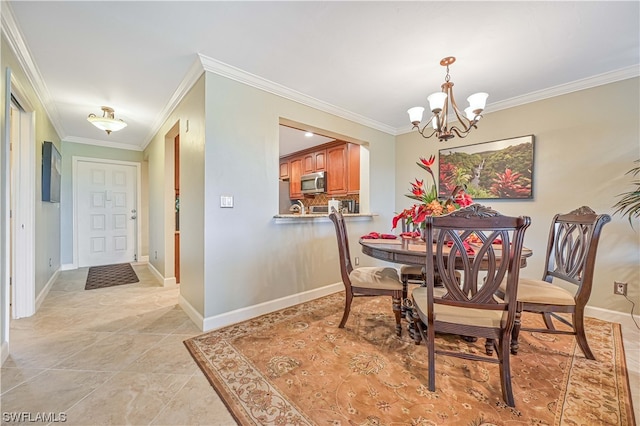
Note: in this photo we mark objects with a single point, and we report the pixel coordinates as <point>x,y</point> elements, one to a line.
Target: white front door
<point>106,213</point>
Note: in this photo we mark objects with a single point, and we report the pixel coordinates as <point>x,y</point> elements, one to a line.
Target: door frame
<point>22,198</point>
<point>138,186</point>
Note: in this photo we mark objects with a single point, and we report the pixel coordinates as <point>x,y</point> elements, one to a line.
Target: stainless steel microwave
<point>313,183</point>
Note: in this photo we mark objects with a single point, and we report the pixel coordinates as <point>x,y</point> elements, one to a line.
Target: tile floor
<point>115,356</point>
<point>108,356</point>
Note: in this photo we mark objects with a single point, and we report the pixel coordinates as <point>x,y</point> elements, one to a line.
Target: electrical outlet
<point>357,260</point>
<point>619,288</point>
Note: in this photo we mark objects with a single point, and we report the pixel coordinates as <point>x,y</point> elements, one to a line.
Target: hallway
<point>108,356</point>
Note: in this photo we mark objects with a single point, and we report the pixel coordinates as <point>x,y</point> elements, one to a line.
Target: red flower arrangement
<point>429,204</point>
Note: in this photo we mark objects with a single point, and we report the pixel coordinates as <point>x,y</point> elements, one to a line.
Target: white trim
<point>74,171</point>
<point>143,259</point>
<point>166,282</point>
<point>20,49</point>
<point>98,142</point>
<point>550,92</point>
<point>45,291</point>
<point>68,267</point>
<point>249,312</point>
<point>233,73</point>
<point>191,312</point>
<point>23,186</point>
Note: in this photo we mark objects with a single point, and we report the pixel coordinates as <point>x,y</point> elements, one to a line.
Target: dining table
<point>411,251</point>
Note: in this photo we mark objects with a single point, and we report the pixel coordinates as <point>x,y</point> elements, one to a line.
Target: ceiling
<point>365,61</point>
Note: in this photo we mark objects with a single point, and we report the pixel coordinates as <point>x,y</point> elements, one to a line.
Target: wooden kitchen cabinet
<point>295,171</point>
<point>320,160</point>
<point>284,169</point>
<point>308,163</point>
<point>337,170</point>
<point>353,175</point>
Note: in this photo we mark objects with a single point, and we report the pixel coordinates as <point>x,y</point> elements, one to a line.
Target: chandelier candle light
<point>440,108</point>
<point>107,122</point>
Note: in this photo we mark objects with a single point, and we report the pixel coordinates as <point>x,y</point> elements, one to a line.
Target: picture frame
<point>500,169</point>
<point>51,173</point>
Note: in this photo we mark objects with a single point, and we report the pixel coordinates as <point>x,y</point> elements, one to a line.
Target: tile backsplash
<point>323,199</point>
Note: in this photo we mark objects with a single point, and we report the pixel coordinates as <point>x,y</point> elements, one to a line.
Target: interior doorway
<point>22,207</point>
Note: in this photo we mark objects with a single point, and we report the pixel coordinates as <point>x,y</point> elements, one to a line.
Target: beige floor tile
<point>127,399</point>
<point>196,404</point>
<point>112,353</point>
<point>167,356</point>
<point>12,377</point>
<point>33,349</point>
<point>52,391</point>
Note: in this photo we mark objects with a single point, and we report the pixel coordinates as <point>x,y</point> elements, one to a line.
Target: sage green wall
<point>70,150</point>
<point>584,143</point>
<point>47,215</point>
<point>249,258</point>
<point>187,120</point>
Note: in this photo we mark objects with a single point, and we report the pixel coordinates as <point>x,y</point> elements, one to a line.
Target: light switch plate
<point>226,201</point>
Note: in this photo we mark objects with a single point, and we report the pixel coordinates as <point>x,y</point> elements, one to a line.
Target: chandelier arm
<point>462,133</point>
<point>421,131</point>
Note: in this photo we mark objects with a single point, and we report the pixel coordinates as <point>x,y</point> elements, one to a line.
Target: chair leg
<point>548,321</point>
<point>347,308</point>
<point>581,337</point>
<point>505,371</point>
<point>516,333</point>
<point>488,347</point>
<point>431,351</point>
<point>397,310</point>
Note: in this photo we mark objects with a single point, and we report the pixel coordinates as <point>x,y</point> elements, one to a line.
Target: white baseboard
<point>43,294</point>
<point>166,282</point>
<point>68,267</point>
<point>242,314</point>
<point>191,312</point>
<point>143,259</point>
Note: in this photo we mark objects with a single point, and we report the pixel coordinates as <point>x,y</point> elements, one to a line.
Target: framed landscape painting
<point>500,169</point>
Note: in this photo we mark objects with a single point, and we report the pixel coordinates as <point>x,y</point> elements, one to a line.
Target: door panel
<point>106,213</point>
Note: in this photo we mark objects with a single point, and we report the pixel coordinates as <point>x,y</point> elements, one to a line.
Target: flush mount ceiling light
<point>440,108</point>
<point>107,122</point>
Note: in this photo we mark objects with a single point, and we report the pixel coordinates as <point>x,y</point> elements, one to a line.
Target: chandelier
<point>440,109</point>
<point>107,122</point>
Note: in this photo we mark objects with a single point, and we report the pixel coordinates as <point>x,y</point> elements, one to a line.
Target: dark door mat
<point>110,275</point>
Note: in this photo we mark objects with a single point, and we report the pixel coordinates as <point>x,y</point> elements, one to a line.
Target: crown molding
<point>102,143</point>
<point>559,90</point>
<point>15,40</point>
<point>193,74</point>
<point>233,73</point>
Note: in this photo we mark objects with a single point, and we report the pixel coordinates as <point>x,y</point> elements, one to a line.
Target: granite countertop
<point>319,215</point>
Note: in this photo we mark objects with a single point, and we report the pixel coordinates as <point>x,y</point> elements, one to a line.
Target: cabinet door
<point>295,171</point>
<point>284,169</point>
<point>308,163</point>
<point>337,170</point>
<point>321,160</point>
<point>353,176</point>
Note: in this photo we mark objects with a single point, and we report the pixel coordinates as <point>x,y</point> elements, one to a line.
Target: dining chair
<point>570,258</point>
<point>467,305</point>
<point>413,274</point>
<point>364,281</point>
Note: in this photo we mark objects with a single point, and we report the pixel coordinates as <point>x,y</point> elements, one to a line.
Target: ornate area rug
<point>296,367</point>
<point>110,275</point>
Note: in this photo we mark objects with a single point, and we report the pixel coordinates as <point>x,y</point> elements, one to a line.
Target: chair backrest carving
<point>343,245</point>
<point>482,244</point>
<point>572,247</point>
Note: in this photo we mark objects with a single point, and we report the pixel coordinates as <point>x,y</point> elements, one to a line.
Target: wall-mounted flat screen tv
<point>51,173</point>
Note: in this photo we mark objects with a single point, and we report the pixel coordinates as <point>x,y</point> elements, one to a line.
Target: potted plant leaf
<point>629,204</point>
